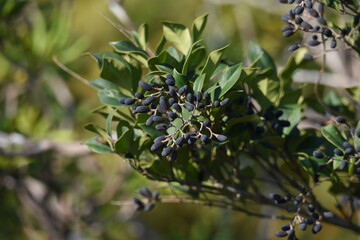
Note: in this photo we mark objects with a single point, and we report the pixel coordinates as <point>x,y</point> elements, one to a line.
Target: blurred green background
<point>51,186</point>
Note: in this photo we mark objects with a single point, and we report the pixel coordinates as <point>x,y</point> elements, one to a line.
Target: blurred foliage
<point>51,186</point>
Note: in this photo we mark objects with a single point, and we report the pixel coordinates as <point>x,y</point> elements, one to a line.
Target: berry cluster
<point>183,116</point>
<point>308,16</point>
<point>151,199</point>
<point>314,217</point>
<point>349,153</point>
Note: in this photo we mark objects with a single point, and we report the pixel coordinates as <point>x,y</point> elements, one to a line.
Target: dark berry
<point>205,139</point>
<point>221,138</point>
<point>158,119</point>
<point>298,10</point>
<point>167,151</point>
<point>327,32</point>
<point>179,141</point>
<point>183,90</point>
<point>216,103</point>
<point>139,95</point>
<point>293,47</point>
<point>190,97</point>
<point>308,57</point>
<point>189,106</point>
<point>306,26</point>
<point>328,214</point>
<point>146,86</point>
<point>149,206</point>
<point>149,121</point>
<point>225,101</point>
<point>313,43</point>
<point>173,156</point>
<point>139,205</point>
<point>130,101</point>
<point>159,139</point>
<point>318,154</point>
<point>149,100</point>
<point>321,20</point>
<point>281,233</point>
<point>122,100</point>
<point>309,221</point>
<point>172,92</point>
<point>286,227</point>
<point>311,208</point>
<point>172,101</point>
<point>313,12</point>
<point>170,81</point>
<point>161,127</point>
<point>157,146</point>
<point>338,152</point>
<point>177,107</point>
<point>288,33</point>
<point>145,192</point>
<point>275,196</point>
<point>198,96</point>
<point>343,165</point>
<point>172,115</point>
<point>349,151</point>
<point>207,95</point>
<point>207,123</point>
<point>316,228</point>
<point>302,226</point>
<point>308,4</point>
<point>142,109</point>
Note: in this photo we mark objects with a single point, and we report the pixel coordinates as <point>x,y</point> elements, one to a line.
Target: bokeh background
<point>51,186</point>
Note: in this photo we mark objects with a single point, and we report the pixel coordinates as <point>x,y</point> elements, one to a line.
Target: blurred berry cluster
<point>308,16</point>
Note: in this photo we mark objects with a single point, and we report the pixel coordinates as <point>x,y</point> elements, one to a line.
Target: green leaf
<point>161,45</point>
<point>143,35</point>
<point>110,97</point>
<point>292,113</point>
<point>211,64</point>
<point>128,48</point>
<point>99,56</point>
<point>180,80</point>
<point>177,35</point>
<point>150,130</point>
<point>194,58</point>
<point>125,46</point>
<point>198,27</point>
<point>117,72</point>
<point>109,122</point>
<point>96,146</point>
<point>332,134</point>
<point>356,138</point>
<point>229,78</point>
<point>198,83</point>
<point>101,84</point>
<point>337,161</point>
<point>98,130</point>
<point>262,59</point>
<point>163,59</point>
<point>123,144</point>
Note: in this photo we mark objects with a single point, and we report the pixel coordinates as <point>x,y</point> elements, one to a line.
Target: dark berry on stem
<point>167,151</point>
<point>149,100</point>
<point>189,106</point>
<point>159,139</point>
<point>157,146</point>
<point>286,227</point>
<point>142,109</point>
<point>149,121</point>
<point>340,119</point>
<point>225,101</point>
<point>146,86</point>
<point>130,101</point>
<point>161,127</point>
<point>177,107</point>
<point>139,95</point>
<point>221,138</point>
<point>316,228</point>
<point>302,226</point>
<point>338,152</point>
<point>318,154</point>
<point>216,103</point>
<point>281,233</point>
<point>145,192</point>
